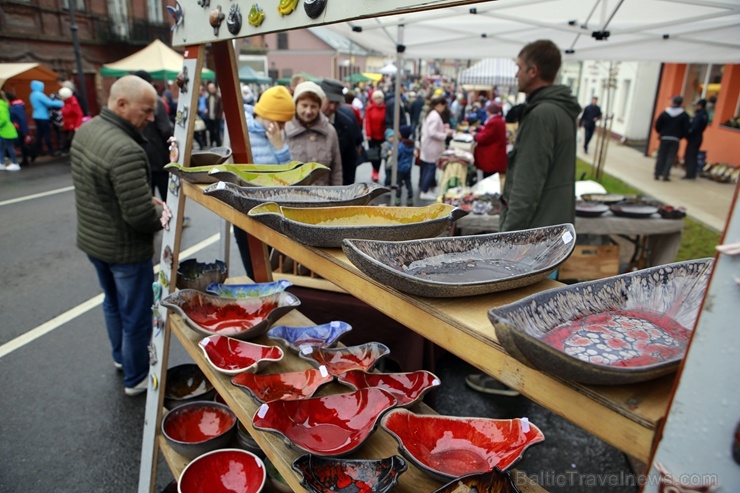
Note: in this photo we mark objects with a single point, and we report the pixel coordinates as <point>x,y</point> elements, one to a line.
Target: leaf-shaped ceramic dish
<point>232,356</point>
<point>192,274</point>
<point>449,447</point>
<point>324,335</point>
<point>200,174</point>
<point>613,331</point>
<point>407,388</point>
<point>253,290</point>
<point>332,425</point>
<point>244,318</point>
<point>305,174</point>
<point>212,156</point>
<point>322,474</point>
<point>464,265</point>
<point>495,482</point>
<point>244,199</point>
<point>282,386</point>
<point>329,226</point>
<point>342,359</point>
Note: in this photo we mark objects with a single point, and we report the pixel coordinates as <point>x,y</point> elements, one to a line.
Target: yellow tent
<point>161,61</point>
<point>24,73</point>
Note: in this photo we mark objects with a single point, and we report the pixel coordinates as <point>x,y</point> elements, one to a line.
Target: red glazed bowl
<point>282,386</point>
<point>448,447</point>
<point>407,388</point>
<point>232,356</point>
<point>199,427</point>
<point>333,425</point>
<point>342,359</point>
<point>223,471</point>
<point>325,474</point>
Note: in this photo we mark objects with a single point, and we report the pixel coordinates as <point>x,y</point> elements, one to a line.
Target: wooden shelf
<point>623,416</point>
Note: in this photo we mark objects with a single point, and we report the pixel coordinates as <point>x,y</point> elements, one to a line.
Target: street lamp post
<point>82,93</point>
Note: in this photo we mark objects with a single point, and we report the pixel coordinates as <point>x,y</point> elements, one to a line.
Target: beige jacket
<point>319,144</point>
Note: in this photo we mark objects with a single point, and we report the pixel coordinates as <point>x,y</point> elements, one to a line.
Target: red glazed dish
<point>223,471</point>
<point>333,425</point>
<point>282,386</point>
<point>407,388</point>
<point>449,447</point>
<point>233,356</point>
<point>343,359</point>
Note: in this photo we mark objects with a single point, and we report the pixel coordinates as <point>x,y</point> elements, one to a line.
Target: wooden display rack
<point>626,417</point>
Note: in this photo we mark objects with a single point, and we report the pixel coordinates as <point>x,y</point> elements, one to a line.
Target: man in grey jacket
<point>540,179</point>
<point>117,218</point>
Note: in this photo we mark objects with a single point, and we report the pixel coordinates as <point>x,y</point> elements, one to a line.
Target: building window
<point>79,5</point>
<point>282,41</point>
<point>154,8</point>
<point>702,82</point>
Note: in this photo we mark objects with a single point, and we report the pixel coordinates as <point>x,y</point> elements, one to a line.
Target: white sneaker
<point>427,196</point>
<point>12,167</point>
<point>137,389</point>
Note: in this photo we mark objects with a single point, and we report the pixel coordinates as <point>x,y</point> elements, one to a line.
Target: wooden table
<point>623,416</point>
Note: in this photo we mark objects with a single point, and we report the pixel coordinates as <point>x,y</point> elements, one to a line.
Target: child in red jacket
<point>71,116</point>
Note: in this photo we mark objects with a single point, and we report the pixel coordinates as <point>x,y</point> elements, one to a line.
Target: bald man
<point>117,218</point>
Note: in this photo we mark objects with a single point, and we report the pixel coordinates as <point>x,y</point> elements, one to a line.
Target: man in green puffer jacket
<point>117,218</point>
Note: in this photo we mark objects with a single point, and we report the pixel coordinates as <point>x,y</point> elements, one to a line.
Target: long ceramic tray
<point>244,199</point>
<point>619,330</point>
<point>201,174</point>
<point>464,265</point>
<point>329,226</point>
<point>304,174</point>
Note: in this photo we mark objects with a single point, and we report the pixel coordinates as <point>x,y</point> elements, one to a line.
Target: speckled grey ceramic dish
<point>215,155</point>
<point>192,274</point>
<point>329,226</point>
<point>619,330</point>
<point>243,318</point>
<point>202,174</point>
<point>464,265</point>
<point>244,199</point>
<point>303,174</point>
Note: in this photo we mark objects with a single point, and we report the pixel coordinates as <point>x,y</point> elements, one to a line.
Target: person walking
<point>672,125</point>
<point>20,121</point>
<point>42,105</point>
<point>8,136</point>
<point>694,139</point>
<point>540,179</point>
<point>434,133</point>
<point>490,143</point>
<point>406,154</point>
<point>349,131</point>
<point>71,117</point>
<point>310,136</point>
<point>375,130</point>
<point>117,218</point>
<point>214,115</point>
<point>591,114</point>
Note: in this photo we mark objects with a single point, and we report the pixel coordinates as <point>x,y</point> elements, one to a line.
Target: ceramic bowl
<point>304,174</point>
<point>604,198</point>
<point>342,359</point>
<point>636,211</point>
<point>282,386</point>
<point>243,318</point>
<point>448,447</point>
<point>186,383</point>
<point>332,425</point>
<point>201,174</point>
<point>495,482</point>
<point>324,335</point>
<point>214,155</point>
<point>192,274</point>
<point>619,330</point>
<point>464,265</point>
<point>220,470</point>
<point>407,388</point>
<point>245,441</point>
<point>590,209</point>
<point>322,474</point>
<point>253,290</point>
<point>328,226</point>
<point>199,427</point>
<point>244,199</point>
<point>232,356</point>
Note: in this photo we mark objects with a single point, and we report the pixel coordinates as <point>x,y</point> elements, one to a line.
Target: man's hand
<point>166,213</point>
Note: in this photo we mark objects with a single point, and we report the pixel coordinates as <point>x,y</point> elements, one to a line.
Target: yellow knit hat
<point>275,104</point>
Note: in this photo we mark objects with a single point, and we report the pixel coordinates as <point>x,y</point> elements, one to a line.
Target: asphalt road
<point>65,423</point>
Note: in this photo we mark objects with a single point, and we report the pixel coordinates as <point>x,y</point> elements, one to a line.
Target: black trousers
<point>691,157</point>
<point>589,133</point>
<point>666,156</point>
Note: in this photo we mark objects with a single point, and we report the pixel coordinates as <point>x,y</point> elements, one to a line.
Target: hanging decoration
<point>183,80</point>
<point>181,118</point>
<point>234,19</point>
<point>215,18</point>
<point>177,15</point>
<point>285,7</point>
<point>256,16</point>
<point>314,8</point>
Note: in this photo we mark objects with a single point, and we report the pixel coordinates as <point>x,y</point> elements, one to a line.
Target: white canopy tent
<point>490,72</point>
<point>684,31</point>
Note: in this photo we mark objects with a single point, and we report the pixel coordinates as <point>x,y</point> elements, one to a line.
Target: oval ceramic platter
<point>464,265</point>
<point>619,330</point>
<point>282,386</point>
<point>324,335</point>
<point>232,356</point>
<point>243,318</point>
<point>329,226</point>
<point>200,174</point>
<point>252,290</point>
<point>408,388</point>
<point>322,474</point>
<point>303,174</point>
<point>333,425</point>
<point>214,155</point>
<point>635,211</point>
<point>448,447</point>
<point>244,199</point>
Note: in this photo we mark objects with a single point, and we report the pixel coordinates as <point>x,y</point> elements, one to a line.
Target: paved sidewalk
<point>705,200</point>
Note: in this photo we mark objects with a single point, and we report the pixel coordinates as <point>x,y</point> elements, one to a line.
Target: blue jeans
<point>9,146</point>
<point>128,314</point>
<point>426,175</point>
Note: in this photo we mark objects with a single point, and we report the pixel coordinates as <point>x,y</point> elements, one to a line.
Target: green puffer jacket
<point>7,129</point>
<point>540,179</point>
<point>116,218</point>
